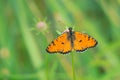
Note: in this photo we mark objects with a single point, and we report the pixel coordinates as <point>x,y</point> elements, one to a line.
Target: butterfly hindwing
<point>83,41</point>
<point>61,44</point>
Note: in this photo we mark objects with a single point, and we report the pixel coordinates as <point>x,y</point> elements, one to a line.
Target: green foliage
<point>28,26</point>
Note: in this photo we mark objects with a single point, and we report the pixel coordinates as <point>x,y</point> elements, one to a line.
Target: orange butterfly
<point>71,40</point>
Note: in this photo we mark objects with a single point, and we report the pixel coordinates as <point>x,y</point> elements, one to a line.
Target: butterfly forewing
<point>83,41</point>
<point>61,44</point>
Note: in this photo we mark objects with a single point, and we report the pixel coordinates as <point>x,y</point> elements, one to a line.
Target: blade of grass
<point>21,13</point>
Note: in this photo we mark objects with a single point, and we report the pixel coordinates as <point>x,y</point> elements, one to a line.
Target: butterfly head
<point>70,28</point>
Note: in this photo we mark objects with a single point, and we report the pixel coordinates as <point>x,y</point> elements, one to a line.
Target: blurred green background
<point>28,26</point>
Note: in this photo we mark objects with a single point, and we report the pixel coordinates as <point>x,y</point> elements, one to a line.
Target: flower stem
<point>73,67</point>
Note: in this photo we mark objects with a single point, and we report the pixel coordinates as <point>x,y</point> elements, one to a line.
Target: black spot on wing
<point>84,49</point>
<point>47,50</point>
<point>88,38</point>
<point>61,52</point>
<point>85,36</point>
<point>80,40</point>
<point>95,43</point>
<point>62,42</point>
<point>56,39</point>
<point>53,43</point>
<point>81,50</point>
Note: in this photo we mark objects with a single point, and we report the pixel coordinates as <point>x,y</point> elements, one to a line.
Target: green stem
<point>47,77</point>
<point>73,67</point>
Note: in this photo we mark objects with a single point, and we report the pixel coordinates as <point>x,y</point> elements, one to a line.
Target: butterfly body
<point>70,36</point>
<point>71,40</point>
